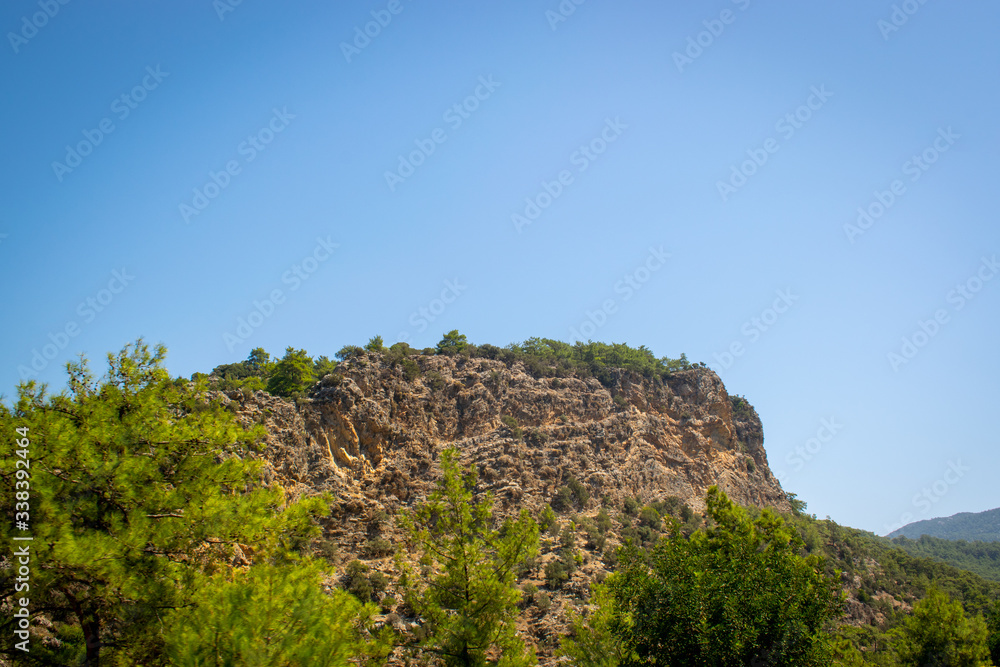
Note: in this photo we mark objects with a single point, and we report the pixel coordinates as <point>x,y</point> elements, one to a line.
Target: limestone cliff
<point>371,437</point>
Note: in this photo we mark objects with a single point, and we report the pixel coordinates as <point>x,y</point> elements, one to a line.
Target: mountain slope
<point>969,526</point>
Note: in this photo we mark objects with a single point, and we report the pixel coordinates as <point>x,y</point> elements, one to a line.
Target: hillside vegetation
<point>969,526</point>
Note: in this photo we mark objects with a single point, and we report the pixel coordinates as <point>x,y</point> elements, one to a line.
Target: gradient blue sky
<point>923,425</point>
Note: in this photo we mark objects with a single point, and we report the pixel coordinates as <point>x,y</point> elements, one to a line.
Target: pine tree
<point>465,589</point>
<point>138,485</point>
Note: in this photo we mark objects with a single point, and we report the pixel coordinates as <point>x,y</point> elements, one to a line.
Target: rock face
<point>371,438</point>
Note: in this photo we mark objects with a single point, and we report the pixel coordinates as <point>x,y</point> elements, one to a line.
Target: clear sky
<point>685,176</point>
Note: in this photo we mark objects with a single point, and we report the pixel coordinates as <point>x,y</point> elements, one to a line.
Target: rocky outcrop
<point>368,426</point>
<point>371,438</point>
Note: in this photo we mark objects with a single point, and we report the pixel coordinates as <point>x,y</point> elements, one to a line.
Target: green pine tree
<point>465,589</point>
<point>272,616</point>
<point>939,633</point>
<point>138,485</point>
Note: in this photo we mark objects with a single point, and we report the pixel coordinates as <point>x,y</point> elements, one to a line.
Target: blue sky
<point>685,178</point>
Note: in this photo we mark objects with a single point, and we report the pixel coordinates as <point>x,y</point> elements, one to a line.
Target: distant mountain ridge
<point>969,526</point>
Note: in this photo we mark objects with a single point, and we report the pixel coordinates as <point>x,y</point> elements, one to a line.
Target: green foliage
<point>511,424</point>
<point>452,343</point>
<point>323,367</point>
<point>251,374</point>
<point>969,526</point>
<point>592,642</point>
<point>375,344</point>
<point>983,558</point>
<point>356,581</point>
<point>434,380</point>
<point>378,548</point>
<point>631,506</point>
<point>560,570</point>
<point>270,615</point>
<point>547,519</point>
<point>349,352</point>
<point>140,486</point>
<point>732,594</point>
<point>580,493</point>
<point>293,375</point>
<point>993,627</point>
<point>899,574</point>
<point>742,408</point>
<point>939,633</point>
<point>603,521</point>
<point>465,593</point>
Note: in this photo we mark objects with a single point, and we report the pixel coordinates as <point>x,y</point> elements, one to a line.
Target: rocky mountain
<point>371,436</point>
<point>969,526</point>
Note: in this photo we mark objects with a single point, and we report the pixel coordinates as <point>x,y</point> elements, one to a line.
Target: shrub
<point>349,352</point>
<point>543,601</point>
<point>559,571</point>
<point>434,380</point>
<point>547,519</point>
<point>648,516</point>
<point>603,521</point>
<point>377,548</point>
<point>631,506</point>
<point>563,500</point>
<point>356,582</point>
<point>411,370</point>
<point>579,491</point>
<point>375,344</point>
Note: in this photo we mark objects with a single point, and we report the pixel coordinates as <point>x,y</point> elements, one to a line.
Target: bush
<point>547,519</point>
<point>377,548</point>
<point>434,380</point>
<point>579,491</point>
<point>411,370</point>
<point>603,521</point>
<point>559,571</point>
<point>650,517</point>
<point>563,500</point>
<point>375,344</point>
<point>631,506</point>
<point>349,352</point>
<point>543,602</point>
<point>511,424</point>
<point>356,581</point>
